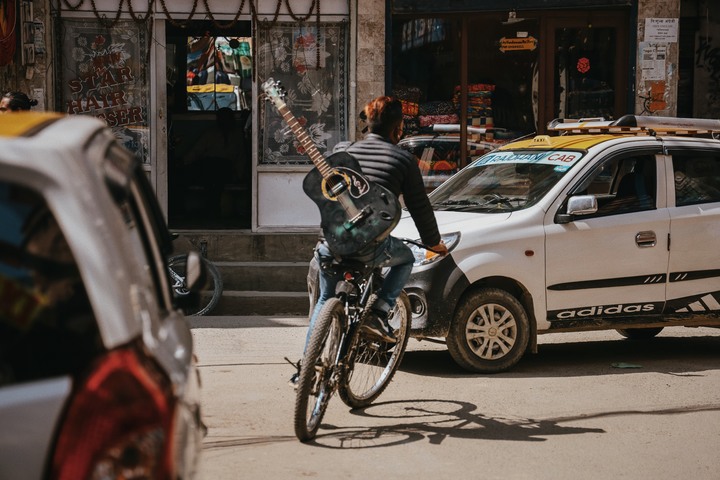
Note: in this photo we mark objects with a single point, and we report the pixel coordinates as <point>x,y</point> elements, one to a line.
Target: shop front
<point>508,72</point>
<point>162,73</point>
<point>179,84</point>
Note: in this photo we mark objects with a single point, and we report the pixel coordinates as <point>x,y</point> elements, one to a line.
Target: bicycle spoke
<point>373,363</point>
<point>318,375</point>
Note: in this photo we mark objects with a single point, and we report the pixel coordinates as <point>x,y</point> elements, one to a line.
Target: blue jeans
<point>391,253</point>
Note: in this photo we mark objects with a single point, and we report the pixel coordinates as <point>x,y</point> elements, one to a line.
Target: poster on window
<point>311,67</point>
<point>104,74</point>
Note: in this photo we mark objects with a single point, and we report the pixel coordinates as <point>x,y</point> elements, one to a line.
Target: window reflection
<point>219,72</point>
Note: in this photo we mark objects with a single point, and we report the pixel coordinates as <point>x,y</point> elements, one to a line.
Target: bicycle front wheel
<point>373,363</point>
<point>195,303</point>
<point>318,370</point>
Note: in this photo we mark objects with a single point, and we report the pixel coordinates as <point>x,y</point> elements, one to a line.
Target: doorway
<point>209,125</point>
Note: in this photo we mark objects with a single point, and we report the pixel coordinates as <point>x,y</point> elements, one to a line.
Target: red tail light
<point>118,423</point>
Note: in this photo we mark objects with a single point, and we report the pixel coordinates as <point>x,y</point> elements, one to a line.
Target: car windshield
<point>504,181</point>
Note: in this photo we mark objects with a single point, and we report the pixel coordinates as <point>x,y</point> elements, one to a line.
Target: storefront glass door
<point>209,92</point>
<point>585,68</point>
<point>586,60</point>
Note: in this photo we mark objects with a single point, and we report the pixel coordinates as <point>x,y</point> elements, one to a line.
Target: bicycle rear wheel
<point>373,363</point>
<point>318,370</point>
<point>195,303</point>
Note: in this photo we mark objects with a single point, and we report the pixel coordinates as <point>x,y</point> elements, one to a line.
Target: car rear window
<point>47,327</point>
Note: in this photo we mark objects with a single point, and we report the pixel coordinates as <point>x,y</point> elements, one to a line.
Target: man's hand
<point>440,248</point>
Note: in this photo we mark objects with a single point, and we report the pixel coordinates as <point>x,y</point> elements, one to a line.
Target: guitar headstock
<point>274,91</point>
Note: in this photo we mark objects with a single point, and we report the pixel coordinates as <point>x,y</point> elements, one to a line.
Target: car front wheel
<point>490,331</point>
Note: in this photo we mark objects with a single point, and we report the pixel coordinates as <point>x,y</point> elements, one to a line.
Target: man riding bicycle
<point>388,165</point>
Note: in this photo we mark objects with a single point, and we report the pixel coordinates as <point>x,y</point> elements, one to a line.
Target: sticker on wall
<point>583,65</point>
<point>657,96</point>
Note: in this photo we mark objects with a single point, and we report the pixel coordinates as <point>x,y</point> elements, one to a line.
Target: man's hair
<point>383,115</point>
<point>19,101</point>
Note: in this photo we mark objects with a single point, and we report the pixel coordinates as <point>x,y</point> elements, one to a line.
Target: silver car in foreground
<point>97,374</point>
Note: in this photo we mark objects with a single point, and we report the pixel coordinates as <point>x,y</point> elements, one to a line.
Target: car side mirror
<point>194,272</point>
<point>578,205</point>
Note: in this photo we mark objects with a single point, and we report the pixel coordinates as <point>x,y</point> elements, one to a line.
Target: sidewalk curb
<point>248,321</point>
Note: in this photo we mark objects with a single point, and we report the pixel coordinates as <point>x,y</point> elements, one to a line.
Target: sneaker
<point>295,378</point>
<point>376,326</point>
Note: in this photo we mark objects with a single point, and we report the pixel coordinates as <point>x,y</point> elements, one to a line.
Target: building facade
<point>159,72</point>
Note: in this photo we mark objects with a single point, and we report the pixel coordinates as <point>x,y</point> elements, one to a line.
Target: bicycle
<point>339,357</point>
<point>195,303</point>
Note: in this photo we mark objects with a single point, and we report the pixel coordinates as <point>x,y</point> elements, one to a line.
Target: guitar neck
<point>305,140</point>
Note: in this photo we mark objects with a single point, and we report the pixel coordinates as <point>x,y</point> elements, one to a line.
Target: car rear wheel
<point>639,333</point>
<point>490,331</point>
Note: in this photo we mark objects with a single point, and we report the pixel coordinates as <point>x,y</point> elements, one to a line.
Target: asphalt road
<point>587,406</point>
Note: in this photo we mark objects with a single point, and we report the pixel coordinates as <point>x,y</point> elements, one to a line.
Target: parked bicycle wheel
<point>199,303</point>
<point>317,373</point>
<point>373,363</point>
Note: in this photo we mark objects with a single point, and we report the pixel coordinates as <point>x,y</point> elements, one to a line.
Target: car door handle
<point>646,239</point>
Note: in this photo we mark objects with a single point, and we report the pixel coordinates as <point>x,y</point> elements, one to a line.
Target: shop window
<point>311,65</point>
<point>502,62</point>
<point>104,73</point>
<point>503,56</point>
<point>425,71</point>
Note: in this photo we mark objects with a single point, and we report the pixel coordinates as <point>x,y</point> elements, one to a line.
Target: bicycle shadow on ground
<point>684,356</point>
<point>434,421</point>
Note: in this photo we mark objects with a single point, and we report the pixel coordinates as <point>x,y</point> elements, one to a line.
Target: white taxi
<point>602,225</point>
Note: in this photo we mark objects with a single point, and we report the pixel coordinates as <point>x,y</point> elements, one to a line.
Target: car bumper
<point>434,293</point>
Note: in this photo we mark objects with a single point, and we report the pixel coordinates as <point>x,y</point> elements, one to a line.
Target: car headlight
<point>425,257</point>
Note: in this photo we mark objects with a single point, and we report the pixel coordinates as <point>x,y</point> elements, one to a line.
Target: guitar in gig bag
<point>354,211</point>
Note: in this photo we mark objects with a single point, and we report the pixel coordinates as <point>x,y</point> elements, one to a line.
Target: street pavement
<point>587,406</point>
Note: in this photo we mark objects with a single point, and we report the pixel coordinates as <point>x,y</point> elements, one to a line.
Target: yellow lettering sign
<point>516,44</point>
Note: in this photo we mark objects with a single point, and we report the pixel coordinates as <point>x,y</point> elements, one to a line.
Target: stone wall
<point>370,53</point>
<point>656,79</point>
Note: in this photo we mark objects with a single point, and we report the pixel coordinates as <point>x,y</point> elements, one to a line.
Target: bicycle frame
<point>347,290</point>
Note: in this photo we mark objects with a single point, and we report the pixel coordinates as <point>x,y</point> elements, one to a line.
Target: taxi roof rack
<point>638,125</point>
<point>455,128</point>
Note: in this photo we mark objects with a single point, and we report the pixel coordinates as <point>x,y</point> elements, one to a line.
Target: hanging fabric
<point>8,38</point>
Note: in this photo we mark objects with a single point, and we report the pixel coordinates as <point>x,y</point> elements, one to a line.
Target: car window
<point>47,327</point>
<point>435,156</point>
<point>622,185</point>
<point>138,208</point>
<point>145,245</point>
<point>697,178</point>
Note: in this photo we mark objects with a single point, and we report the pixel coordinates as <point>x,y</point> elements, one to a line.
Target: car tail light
<point>118,423</point>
